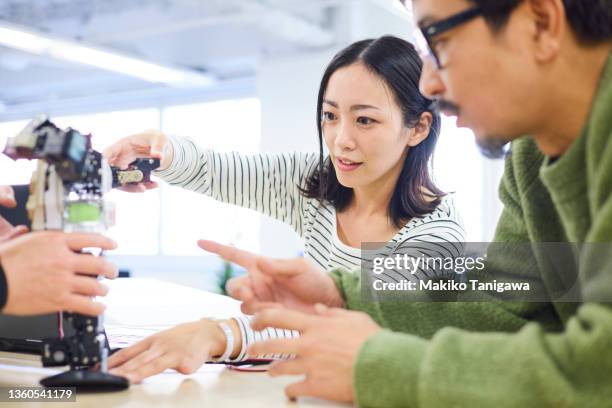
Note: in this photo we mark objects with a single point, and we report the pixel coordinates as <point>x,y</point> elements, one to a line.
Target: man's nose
<point>430,83</point>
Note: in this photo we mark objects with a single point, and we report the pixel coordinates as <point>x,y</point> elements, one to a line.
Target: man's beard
<point>445,107</point>
<point>490,147</point>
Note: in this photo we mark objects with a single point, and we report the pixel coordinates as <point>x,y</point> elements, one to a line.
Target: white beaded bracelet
<point>229,343</point>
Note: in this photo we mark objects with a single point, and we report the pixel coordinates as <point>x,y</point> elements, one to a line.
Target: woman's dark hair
<point>397,63</point>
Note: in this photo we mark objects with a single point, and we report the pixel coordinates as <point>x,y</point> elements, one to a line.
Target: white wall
<point>375,18</point>
<point>288,89</point>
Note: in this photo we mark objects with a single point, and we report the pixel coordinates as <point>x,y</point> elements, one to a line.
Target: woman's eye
<point>328,116</point>
<point>363,120</point>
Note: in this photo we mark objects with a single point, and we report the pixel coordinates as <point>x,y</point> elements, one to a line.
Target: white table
<point>135,301</point>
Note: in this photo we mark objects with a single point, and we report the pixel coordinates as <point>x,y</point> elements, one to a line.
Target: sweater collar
<point>560,176</point>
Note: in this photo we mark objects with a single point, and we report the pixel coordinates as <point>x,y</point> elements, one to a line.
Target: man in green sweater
<point>505,68</point>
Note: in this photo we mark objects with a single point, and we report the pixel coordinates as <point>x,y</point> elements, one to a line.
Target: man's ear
<point>420,130</point>
<point>549,24</point>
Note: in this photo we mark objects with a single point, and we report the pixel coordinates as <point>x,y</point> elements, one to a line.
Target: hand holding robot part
<point>148,144</point>
<point>45,274</point>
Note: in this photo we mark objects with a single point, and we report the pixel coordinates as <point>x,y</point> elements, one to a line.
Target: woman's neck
<point>367,217</point>
<point>373,199</point>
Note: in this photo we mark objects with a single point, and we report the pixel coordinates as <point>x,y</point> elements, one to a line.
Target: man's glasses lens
<point>424,35</point>
<point>423,48</point>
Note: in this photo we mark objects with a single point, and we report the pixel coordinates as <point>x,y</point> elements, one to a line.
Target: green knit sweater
<point>474,354</point>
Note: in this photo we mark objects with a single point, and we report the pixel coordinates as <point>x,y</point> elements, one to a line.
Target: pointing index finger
<point>238,256</point>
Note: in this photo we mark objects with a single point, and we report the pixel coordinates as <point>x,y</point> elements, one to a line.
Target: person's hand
<point>325,352</point>
<point>7,230</point>
<point>44,273</point>
<point>183,348</point>
<point>151,143</point>
<point>292,283</point>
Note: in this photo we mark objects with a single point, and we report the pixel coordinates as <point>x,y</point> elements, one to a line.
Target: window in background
<point>188,216</point>
<point>169,220</point>
<point>459,167</point>
<point>137,215</point>
<point>137,227</point>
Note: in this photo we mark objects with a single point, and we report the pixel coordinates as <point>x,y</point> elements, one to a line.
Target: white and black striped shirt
<point>268,183</point>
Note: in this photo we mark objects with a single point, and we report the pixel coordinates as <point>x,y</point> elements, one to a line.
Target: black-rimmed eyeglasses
<point>425,35</point>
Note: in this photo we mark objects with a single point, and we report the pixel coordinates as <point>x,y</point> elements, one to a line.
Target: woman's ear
<point>420,130</point>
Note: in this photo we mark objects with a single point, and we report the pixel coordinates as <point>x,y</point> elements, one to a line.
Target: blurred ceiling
<point>219,39</point>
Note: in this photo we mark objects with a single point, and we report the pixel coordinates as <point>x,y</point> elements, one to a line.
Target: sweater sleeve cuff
<point>336,275</point>
<point>386,373</point>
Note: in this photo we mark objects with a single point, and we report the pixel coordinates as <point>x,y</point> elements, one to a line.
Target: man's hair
<point>591,20</point>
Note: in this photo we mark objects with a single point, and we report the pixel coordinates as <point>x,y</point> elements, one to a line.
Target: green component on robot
<point>83,212</point>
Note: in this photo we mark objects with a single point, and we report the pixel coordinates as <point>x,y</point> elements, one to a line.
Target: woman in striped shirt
<point>373,186</point>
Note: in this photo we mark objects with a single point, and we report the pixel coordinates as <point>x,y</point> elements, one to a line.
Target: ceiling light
<point>27,40</point>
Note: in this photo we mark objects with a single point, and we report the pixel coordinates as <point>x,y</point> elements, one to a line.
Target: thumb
<point>158,143</point>
<point>5,226</point>
<point>7,197</point>
<point>15,232</point>
<point>240,288</point>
